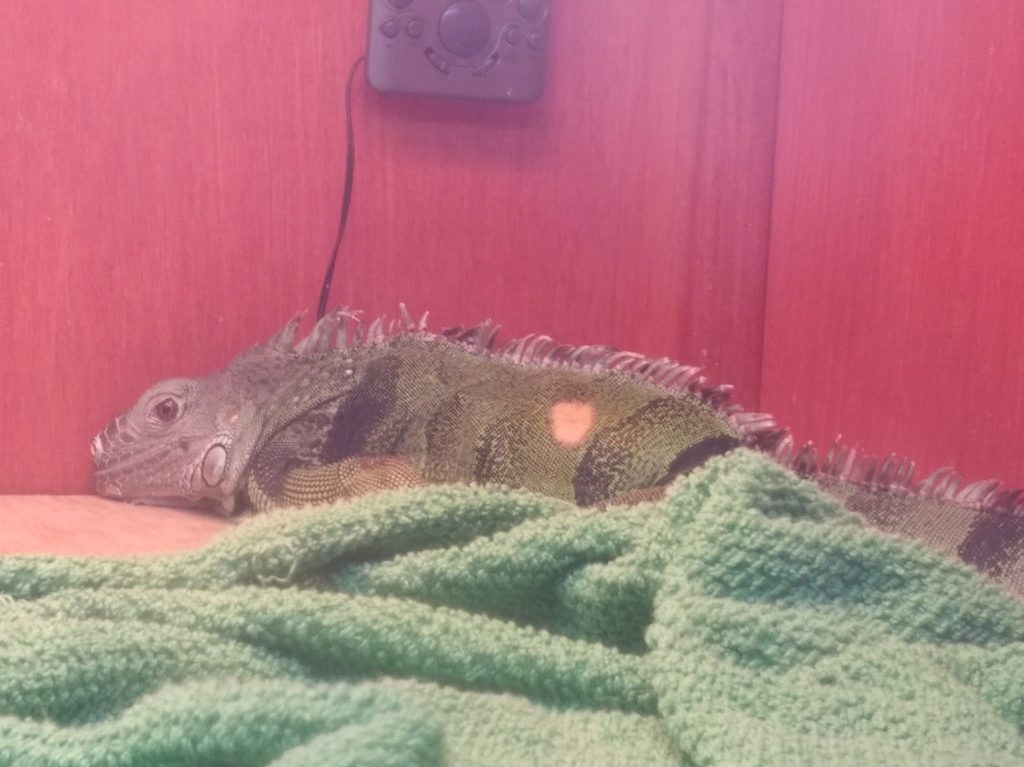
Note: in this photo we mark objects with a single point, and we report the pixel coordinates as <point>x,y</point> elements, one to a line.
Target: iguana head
<point>189,441</point>
<point>176,446</point>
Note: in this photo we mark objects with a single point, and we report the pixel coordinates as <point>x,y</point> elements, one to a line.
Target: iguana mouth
<point>104,441</point>
<point>100,444</point>
<point>117,453</point>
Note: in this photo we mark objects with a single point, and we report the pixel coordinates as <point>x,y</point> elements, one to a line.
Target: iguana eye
<point>166,410</point>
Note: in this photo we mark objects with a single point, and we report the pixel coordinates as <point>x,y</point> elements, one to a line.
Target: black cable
<point>346,199</point>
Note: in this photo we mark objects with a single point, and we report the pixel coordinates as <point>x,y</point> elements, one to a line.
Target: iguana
<point>354,408</point>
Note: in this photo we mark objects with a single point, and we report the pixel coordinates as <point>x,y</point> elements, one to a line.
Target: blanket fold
<point>746,619</point>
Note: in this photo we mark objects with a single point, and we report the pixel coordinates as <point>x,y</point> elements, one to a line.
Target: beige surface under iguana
<point>351,409</point>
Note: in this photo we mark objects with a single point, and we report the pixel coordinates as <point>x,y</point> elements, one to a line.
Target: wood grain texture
<point>171,176</point>
<point>89,526</point>
<point>897,257</point>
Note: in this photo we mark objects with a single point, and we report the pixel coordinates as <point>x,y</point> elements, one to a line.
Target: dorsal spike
<point>513,350</point>
<point>531,350</point>
<point>931,482</point>
<point>749,421</point>
<point>658,368</point>
<point>717,396</point>
<point>833,457</point>
<point>284,339</point>
<point>590,354</point>
<point>806,461</point>
<point>979,493</point>
<point>784,450</point>
<point>617,360</point>
<point>376,333</point>
<point>863,471</point>
<point>887,470</point>
<point>849,462</point>
<point>905,478</point>
<point>341,337</point>
<point>1010,500</point>
<point>769,439</point>
<point>490,336</point>
<point>403,313</point>
<point>947,488</point>
<point>320,339</point>
<point>682,377</point>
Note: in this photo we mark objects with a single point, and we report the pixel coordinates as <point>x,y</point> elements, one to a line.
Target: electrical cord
<point>346,199</point>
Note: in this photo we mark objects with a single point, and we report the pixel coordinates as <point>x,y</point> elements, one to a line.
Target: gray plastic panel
<point>481,49</point>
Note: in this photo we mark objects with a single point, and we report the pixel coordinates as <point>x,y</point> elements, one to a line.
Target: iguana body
<point>337,416</point>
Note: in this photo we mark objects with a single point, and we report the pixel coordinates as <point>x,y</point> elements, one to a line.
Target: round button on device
<point>531,9</point>
<point>465,28</point>
<point>535,40</point>
<point>513,35</point>
<point>390,28</point>
<point>414,27</point>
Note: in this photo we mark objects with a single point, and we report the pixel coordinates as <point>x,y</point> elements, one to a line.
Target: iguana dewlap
<point>349,410</point>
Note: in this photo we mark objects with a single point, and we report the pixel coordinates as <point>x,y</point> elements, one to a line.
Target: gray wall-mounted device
<point>483,49</point>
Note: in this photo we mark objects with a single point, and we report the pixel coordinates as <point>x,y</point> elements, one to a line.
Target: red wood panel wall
<point>895,310</point>
<point>170,172</point>
<point>169,177</point>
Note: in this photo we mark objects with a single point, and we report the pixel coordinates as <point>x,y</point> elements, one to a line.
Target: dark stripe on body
<point>699,454</point>
<point>994,542</point>
<point>662,439</point>
<point>365,412</point>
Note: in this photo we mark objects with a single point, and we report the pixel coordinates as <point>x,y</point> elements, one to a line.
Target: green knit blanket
<point>744,620</point>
